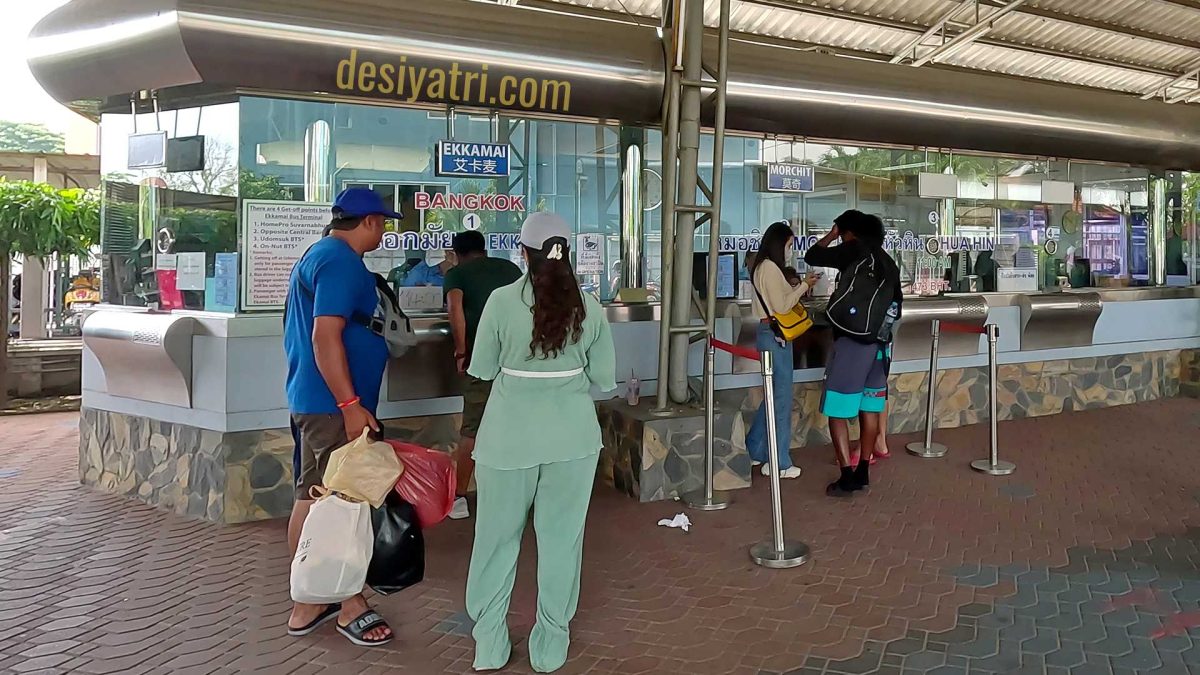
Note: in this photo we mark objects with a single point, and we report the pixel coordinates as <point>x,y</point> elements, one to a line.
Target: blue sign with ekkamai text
<point>473,160</point>
<point>789,178</point>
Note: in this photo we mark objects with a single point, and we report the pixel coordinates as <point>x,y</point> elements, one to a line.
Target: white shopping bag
<point>334,553</point>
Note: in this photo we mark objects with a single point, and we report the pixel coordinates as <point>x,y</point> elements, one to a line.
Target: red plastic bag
<point>428,482</point>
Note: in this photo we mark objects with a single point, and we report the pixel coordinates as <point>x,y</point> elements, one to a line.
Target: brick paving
<point>1086,561</point>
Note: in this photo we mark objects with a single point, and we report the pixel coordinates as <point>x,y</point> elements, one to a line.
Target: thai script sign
<point>474,160</point>
<point>908,242</point>
<point>437,241</point>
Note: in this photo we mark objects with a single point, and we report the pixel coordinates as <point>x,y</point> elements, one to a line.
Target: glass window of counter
<point>445,175</point>
<point>169,210</point>
<point>1098,226</point>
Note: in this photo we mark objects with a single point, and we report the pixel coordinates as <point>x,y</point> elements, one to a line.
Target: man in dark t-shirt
<point>856,375</point>
<point>468,287</point>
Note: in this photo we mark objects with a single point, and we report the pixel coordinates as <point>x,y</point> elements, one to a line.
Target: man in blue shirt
<point>431,271</point>
<point>335,370</point>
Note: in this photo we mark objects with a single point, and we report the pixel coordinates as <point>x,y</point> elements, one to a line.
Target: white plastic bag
<point>334,553</point>
<point>363,469</point>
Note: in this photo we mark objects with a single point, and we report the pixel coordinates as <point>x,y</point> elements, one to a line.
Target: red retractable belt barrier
<point>744,352</point>
<point>951,327</point>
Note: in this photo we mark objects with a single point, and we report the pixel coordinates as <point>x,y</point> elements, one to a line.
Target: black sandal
<point>329,612</point>
<point>359,627</point>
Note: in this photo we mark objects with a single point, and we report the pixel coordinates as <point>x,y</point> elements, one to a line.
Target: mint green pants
<point>559,494</point>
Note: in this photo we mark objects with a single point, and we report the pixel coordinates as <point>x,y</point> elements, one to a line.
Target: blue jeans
<point>781,372</point>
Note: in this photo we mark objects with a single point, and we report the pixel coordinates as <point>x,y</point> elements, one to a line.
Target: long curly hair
<point>558,309</point>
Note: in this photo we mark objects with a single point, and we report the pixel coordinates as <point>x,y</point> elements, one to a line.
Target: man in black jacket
<point>856,377</point>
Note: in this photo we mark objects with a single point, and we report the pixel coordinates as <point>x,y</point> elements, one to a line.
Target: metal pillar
<point>1158,230</point>
<point>708,499</point>
<point>778,553</point>
<point>687,78</point>
<point>929,449</point>
<point>993,465</point>
<point>632,213</point>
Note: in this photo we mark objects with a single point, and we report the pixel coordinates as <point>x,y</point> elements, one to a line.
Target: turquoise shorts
<point>856,379</point>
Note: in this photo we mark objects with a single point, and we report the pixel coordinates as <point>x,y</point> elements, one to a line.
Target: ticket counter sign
<point>790,177</point>
<point>472,160</point>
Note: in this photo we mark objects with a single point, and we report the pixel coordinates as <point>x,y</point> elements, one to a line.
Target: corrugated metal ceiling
<point>1132,46</point>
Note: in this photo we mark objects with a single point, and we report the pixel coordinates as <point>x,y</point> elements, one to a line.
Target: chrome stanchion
<point>708,499</point>
<point>929,449</point>
<point>993,466</point>
<point>777,553</point>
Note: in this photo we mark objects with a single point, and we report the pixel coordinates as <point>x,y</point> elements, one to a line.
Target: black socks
<point>862,474</point>
<point>844,486</point>
<point>851,480</point>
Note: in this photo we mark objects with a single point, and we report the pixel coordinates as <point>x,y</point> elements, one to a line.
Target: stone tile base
<point>655,458</point>
<point>1189,373</point>
<point>220,477</point>
<point>244,476</point>
<point>1025,390</point>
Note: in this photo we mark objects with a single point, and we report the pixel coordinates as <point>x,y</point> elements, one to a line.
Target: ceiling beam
<point>1190,4</point>
<point>1101,25</point>
<point>937,27</point>
<point>983,27</point>
<point>1164,90</point>
<point>893,24</point>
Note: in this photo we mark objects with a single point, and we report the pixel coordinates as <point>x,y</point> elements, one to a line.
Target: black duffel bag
<point>398,559</point>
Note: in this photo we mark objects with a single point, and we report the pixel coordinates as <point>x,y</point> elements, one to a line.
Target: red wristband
<point>346,404</point>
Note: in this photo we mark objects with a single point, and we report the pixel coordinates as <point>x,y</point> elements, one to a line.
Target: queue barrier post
<point>708,499</point>
<point>778,553</point>
<point>928,449</point>
<point>993,465</point>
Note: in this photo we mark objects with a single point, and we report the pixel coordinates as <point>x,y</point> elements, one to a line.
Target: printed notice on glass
<point>589,254</point>
<point>191,268</point>
<point>275,235</point>
<point>1009,279</point>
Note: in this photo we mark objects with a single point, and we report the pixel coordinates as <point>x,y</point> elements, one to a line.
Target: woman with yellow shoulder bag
<point>782,318</point>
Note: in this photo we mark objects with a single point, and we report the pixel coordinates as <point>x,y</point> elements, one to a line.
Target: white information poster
<point>165,261</point>
<point>191,267</point>
<point>275,235</point>
<point>420,298</point>
<point>1009,279</point>
<point>589,254</point>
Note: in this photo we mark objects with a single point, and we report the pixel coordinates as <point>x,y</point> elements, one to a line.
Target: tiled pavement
<point>1087,561</point>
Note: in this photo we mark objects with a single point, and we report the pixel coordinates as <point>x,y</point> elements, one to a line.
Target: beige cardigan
<point>779,295</point>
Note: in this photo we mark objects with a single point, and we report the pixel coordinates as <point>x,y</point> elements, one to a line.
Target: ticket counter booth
<point>221,174</point>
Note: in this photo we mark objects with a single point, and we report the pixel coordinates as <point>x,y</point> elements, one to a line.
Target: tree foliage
<point>38,220</point>
<point>22,137</point>
<point>261,186</point>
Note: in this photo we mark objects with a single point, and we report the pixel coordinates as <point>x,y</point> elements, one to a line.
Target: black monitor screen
<point>185,154</point>
<point>726,275</point>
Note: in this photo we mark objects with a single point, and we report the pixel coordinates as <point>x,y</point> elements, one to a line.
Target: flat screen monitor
<point>185,154</point>
<point>147,151</point>
<point>726,275</point>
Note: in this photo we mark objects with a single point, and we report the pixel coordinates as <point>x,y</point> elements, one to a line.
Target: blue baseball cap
<point>362,202</point>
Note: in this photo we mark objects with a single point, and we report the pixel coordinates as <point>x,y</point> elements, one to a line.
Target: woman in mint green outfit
<point>546,344</point>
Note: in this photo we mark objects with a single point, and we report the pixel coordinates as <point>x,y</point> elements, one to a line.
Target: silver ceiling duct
<point>481,55</point>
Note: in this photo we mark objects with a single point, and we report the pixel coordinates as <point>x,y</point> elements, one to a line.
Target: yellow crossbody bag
<point>787,325</point>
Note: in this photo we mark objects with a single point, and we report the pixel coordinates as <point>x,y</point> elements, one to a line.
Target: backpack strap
<point>299,282</point>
